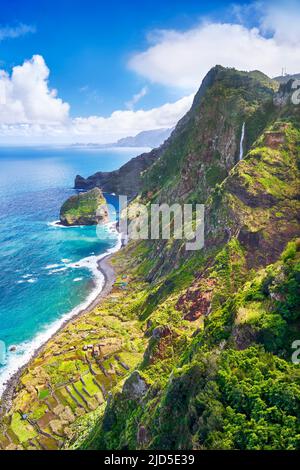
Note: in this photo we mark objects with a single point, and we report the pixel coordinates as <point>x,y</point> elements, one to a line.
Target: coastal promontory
<point>88,208</point>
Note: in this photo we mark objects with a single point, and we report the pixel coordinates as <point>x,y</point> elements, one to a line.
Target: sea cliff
<point>190,350</point>
<point>87,208</point>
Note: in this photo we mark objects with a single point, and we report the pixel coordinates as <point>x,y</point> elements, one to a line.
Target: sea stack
<point>88,208</point>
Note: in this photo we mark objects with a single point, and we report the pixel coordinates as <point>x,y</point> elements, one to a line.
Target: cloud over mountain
<point>181,59</point>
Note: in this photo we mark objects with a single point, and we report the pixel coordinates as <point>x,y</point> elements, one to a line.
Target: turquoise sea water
<point>47,272</point>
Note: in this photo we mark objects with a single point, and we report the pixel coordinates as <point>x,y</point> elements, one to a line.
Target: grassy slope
<point>231,384</point>
<point>223,380</point>
<point>205,144</point>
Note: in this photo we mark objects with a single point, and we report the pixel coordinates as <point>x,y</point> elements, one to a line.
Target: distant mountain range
<point>153,138</point>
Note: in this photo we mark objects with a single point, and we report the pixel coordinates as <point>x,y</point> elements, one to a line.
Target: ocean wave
<point>32,280</point>
<point>25,350</point>
<point>52,266</point>
<point>57,224</point>
<point>58,270</point>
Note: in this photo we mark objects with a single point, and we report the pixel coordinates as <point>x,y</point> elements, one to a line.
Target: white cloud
<point>26,97</point>
<point>123,123</point>
<point>30,112</point>
<point>12,32</point>
<point>282,21</point>
<point>136,98</point>
<point>181,59</point>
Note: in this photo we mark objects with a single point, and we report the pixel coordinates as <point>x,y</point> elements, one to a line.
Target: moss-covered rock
<point>87,208</point>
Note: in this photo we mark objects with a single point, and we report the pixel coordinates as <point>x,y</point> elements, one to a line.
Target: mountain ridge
<point>129,178</point>
<point>195,347</point>
<point>151,138</point>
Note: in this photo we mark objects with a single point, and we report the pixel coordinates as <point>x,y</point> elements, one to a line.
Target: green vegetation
<point>84,209</point>
<point>218,389</point>
<point>223,102</point>
<point>70,379</point>
<point>195,349</point>
<point>21,428</point>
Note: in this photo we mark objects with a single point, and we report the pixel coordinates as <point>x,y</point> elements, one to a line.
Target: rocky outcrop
<point>135,386</point>
<point>125,181</point>
<point>225,381</point>
<point>84,209</point>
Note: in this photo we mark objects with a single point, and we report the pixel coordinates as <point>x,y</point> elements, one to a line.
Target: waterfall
<point>242,141</point>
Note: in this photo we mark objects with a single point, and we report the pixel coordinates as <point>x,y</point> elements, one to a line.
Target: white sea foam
<point>25,350</point>
<point>30,281</point>
<point>77,279</point>
<point>57,270</point>
<point>57,224</point>
<point>52,266</point>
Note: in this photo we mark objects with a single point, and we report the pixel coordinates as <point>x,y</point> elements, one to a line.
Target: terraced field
<point>75,372</point>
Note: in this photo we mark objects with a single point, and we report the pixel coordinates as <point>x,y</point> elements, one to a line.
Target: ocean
<point>48,272</point>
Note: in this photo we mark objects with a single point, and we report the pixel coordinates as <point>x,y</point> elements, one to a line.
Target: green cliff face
<point>197,346</point>
<point>205,144</point>
<point>224,380</point>
<point>231,384</point>
<point>84,209</point>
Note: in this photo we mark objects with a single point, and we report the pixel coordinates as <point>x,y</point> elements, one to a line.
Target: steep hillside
<point>231,384</point>
<point>87,208</point>
<point>195,348</point>
<point>204,145</point>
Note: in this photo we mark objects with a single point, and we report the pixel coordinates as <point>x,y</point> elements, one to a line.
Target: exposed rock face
<point>259,201</point>
<point>85,209</point>
<point>125,181</point>
<point>135,386</point>
<point>230,383</point>
<point>161,332</point>
<point>196,302</point>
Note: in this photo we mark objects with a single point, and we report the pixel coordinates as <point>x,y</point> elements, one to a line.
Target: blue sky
<point>126,57</point>
<point>87,43</point>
